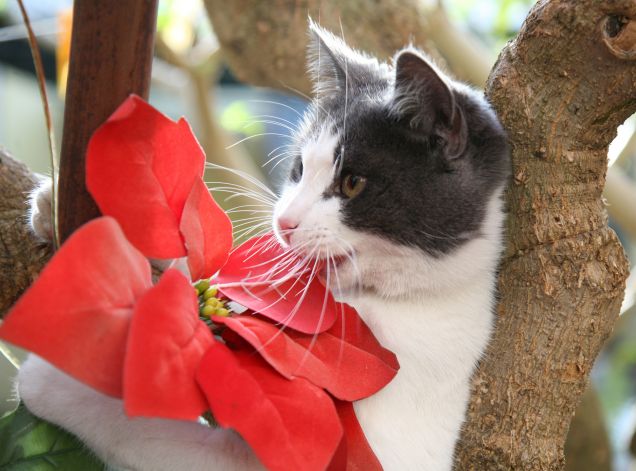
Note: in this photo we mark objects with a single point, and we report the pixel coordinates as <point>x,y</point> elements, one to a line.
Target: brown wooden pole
<point>111,57</point>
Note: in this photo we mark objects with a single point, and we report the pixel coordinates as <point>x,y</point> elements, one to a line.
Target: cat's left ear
<point>423,96</point>
<point>333,65</point>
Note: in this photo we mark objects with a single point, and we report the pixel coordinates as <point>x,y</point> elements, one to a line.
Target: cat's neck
<point>439,333</point>
<point>434,333</point>
<point>438,342</point>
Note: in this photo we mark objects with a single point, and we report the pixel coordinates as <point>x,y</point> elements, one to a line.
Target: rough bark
<point>21,256</point>
<point>561,89</point>
<point>265,42</point>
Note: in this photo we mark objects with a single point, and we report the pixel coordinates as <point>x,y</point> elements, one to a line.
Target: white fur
<point>302,203</point>
<point>436,314</point>
<point>40,209</point>
<point>132,444</point>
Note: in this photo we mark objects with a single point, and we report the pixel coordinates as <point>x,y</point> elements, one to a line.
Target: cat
<point>396,178</point>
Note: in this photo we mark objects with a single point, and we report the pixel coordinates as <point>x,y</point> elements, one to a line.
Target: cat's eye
<point>297,171</point>
<point>352,185</point>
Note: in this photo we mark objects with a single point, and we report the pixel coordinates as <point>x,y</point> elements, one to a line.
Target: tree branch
<point>265,42</point>
<point>21,256</point>
<point>560,92</point>
<point>111,57</point>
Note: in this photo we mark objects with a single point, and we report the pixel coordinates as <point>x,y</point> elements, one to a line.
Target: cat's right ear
<point>333,65</point>
<point>423,96</point>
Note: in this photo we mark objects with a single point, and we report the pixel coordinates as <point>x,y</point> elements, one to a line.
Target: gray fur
<point>431,149</point>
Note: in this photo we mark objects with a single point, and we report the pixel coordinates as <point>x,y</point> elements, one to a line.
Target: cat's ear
<point>333,65</point>
<point>423,96</point>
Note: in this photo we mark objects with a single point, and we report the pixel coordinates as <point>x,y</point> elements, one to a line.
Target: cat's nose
<point>285,227</point>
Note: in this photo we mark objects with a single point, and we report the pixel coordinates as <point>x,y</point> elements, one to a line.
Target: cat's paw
<point>40,214</point>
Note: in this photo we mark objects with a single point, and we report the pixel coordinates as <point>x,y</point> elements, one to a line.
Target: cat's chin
<point>341,278</point>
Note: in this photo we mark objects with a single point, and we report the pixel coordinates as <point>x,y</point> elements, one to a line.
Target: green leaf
<point>28,443</point>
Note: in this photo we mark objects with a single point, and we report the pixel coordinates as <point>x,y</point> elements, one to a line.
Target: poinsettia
<point>107,325</point>
<point>145,170</point>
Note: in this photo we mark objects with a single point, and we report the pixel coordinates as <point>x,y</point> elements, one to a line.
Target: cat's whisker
<point>280,147</point>
<point>268,121</point>
<point>350,254</point>
<point>278,163</point>
<point>282,156</point>
<point>251,205</point>
<point>246,176</point>
<point>271,102</point>
<point>277,118</point>
<point>262,245</point>
<point>286,259</point>
<point>250,211</point>
<point>240,187</point>
<point>250,221</point>
<point>321,318</point>
<point>304,291</point>
<point>340,306</point>
<point>293,267</point>
<point>284,255</point>
<point>252,136</point>
<point>293,312</point>
<point>252,231</point>
<point>236,193</point>
<point>308,98</point>
<point>270,285</point>
<point>252,217</point>
<point>251,195</point>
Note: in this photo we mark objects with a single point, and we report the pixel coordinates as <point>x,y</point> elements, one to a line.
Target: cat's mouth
<point>329,267</point>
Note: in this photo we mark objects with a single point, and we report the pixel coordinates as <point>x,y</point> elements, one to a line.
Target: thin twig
<point>39,70</point>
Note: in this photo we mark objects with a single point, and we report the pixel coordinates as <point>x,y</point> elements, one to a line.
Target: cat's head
<point>396,171</point>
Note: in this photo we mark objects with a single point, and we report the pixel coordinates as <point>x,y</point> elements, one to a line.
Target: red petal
<point>290,425</point>
<point>359,455</point>
<point>207,232</point>
<point>140,168</point>
<point>352,330</point>
<point>76,314</point>
<point>165,346</point>
<point>346,360</point>
<point>297,303</point>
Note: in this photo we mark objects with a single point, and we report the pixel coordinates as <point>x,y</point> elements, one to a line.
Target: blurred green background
<point>235,107</point>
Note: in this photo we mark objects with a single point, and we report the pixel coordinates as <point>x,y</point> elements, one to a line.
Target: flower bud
<point>221,312</point>
<point>202,285</point>
<point>207,311</point>
<point>210,292</point>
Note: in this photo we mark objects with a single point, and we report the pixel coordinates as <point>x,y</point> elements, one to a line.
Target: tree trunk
<point>21,256</point>
<point>561,89</point>
<point>265,42</point>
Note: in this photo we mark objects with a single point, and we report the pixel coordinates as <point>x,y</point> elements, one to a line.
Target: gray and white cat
<point>396,176</point>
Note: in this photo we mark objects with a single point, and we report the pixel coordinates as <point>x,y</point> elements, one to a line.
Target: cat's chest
<point>437,341</point>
